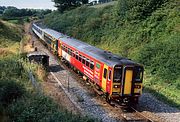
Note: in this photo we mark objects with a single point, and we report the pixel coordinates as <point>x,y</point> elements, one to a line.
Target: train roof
<point>37,26</point>
<point>104,56</point>
<point>96,53</point>
<point>54,33</point>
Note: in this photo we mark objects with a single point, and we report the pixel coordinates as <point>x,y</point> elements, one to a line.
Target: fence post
<point>68,80</point>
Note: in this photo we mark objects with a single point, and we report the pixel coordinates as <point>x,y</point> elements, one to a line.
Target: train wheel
<point>108,98</point>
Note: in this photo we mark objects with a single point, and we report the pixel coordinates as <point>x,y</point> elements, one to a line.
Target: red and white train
<point>119,78</point>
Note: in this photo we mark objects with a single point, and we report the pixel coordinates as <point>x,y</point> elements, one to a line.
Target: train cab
<point>127,83</point>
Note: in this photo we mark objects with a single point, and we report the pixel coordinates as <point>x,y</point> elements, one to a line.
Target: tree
<point>2,8</point>
<point>63,5</point>
<point>11,12</point>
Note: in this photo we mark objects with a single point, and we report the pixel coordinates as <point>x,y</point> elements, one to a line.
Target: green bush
<point>10,91</point>
<point>162,58</point>
<point>40,108</point>
<point>137,10</point>
<point>10,69</point>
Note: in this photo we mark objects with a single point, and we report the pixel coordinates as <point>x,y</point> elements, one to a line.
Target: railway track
<point>128,114</point>
<point>133,115</point>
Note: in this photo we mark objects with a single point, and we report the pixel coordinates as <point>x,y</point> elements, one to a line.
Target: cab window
<point>109,75</point>
<point>105,73</point>
<point>139,74</point>
<point>117,74</point>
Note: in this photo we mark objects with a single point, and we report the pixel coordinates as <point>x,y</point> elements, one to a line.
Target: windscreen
<point>117,74</point>
<point>139,74</point>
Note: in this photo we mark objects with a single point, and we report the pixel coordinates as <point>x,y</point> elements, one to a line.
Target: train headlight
<point>116,86</point>
<point>138,86</point>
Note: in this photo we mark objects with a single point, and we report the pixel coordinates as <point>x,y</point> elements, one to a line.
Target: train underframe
<point>123,100</point>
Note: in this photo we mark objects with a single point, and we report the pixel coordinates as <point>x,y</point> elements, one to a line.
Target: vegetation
<point>145,31</point>
<point>15,14</point>
<point>63,5</point>
<point>2,8</point>
<point>19,101</point>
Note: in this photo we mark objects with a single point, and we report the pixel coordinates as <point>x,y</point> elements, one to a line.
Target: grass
<point>144,31</point>
<point>18,99</point>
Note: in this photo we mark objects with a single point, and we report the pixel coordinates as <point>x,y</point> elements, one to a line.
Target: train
<point>118,78</point>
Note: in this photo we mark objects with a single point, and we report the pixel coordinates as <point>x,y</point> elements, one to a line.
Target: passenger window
<point>92,66</point>
<point>109,76</point>
<point>73,55</point>
<point>77,56</point>
<point>80,58</point>
<point>83,60</point>
<point>68,51</point>
<point>105,73</point>
<point>87,63</point>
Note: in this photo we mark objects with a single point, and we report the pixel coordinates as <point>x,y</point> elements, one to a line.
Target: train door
<point>53,45</point>
<point>59,48</point>
<point>56,46</point>
<point>127,84</point>
<point>104,77</point>
<point>109,81</point>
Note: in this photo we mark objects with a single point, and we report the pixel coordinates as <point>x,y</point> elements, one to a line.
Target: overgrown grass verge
<point>18,100</point>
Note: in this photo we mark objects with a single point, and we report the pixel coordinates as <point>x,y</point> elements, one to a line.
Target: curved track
<point>129,114</point>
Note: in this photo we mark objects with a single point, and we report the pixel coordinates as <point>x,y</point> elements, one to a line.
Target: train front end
<point>127,83</point>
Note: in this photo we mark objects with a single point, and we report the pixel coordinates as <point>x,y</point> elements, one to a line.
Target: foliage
<point>8,34</point>
<point>13,12</point>
<point>162,58</point>
<point>40,108</point>
<point>137,10</point>
<point>145,31</point>
<point>2,8</point>
<point>10,91</point>
<point>63,5</point>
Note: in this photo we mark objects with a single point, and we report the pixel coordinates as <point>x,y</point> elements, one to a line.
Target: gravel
<point>158,108</point>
